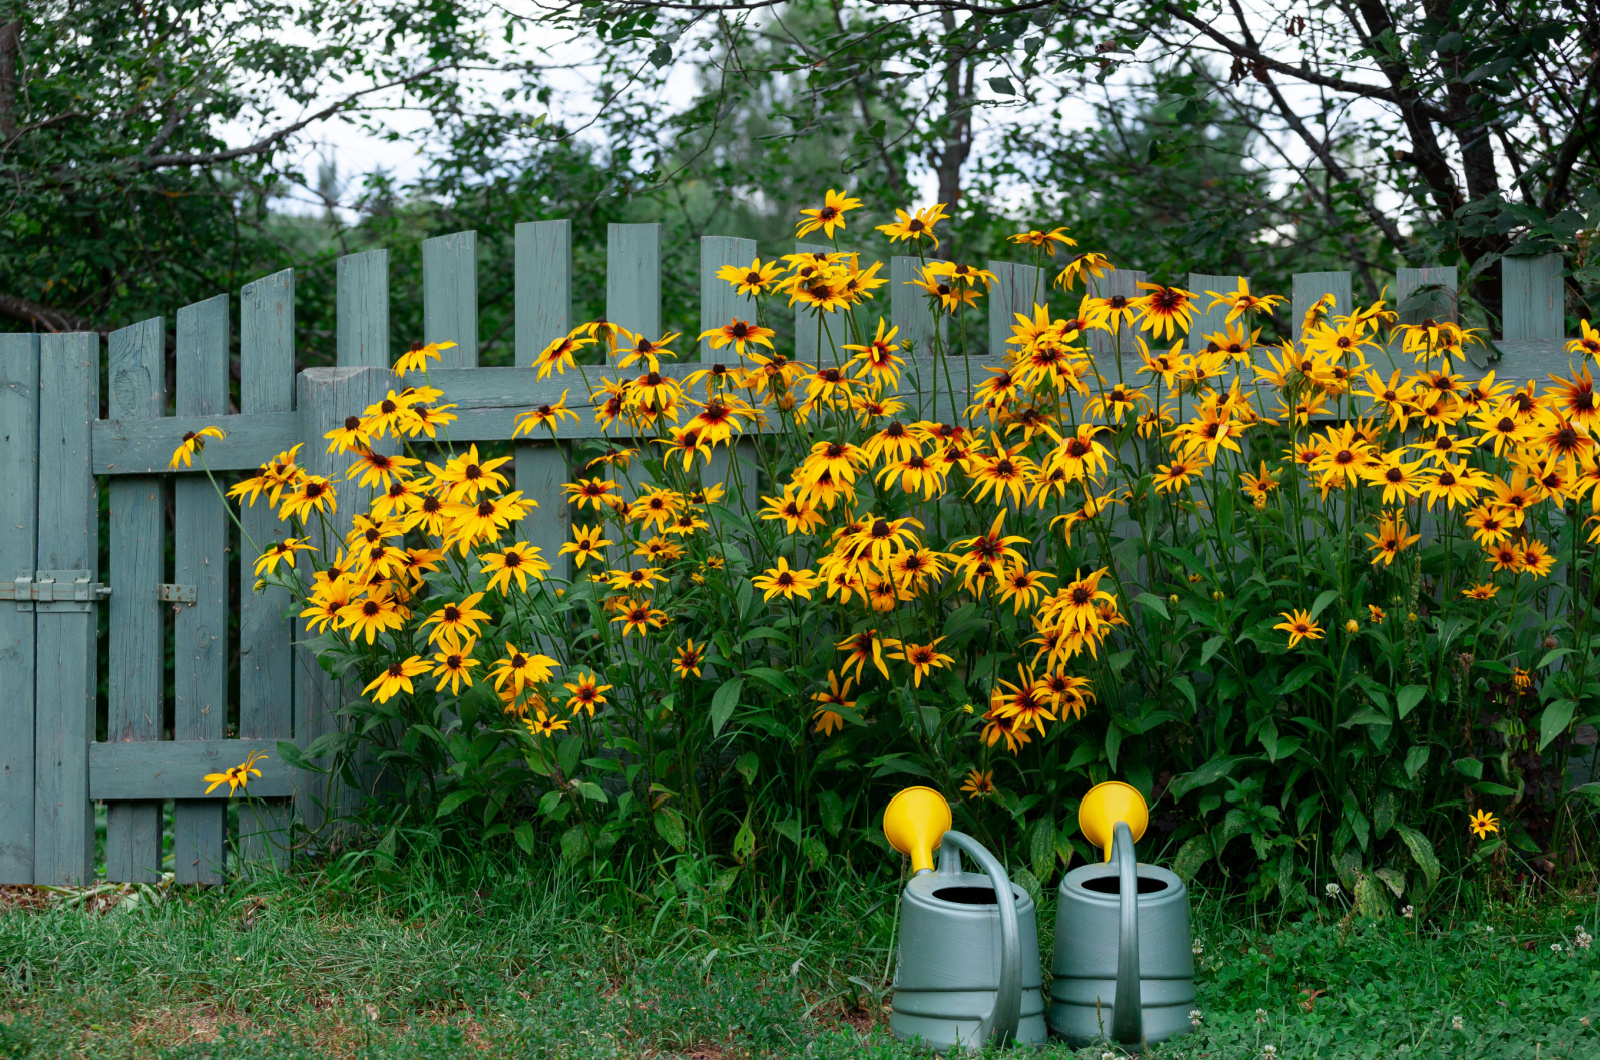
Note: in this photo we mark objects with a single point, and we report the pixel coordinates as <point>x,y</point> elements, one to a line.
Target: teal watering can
<point>1124,961</point>
<point>968,967</point>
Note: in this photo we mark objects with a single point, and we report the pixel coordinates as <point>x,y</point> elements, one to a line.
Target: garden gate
<point>60,460</point>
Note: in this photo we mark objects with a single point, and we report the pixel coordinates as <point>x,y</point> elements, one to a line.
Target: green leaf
<point>1421,852</point>
<point>1469,767</point>
<point>746,765</point>
<point>1407,698</point>
<point>1208,773</point>
<point>1002,86</point>
<point>575,843</point>
<point>669,826</point>
<point>1154,603</point>
<point>776,678</point>
<point>1552,655</point>
<point>1298,677</point>
<point>1490,787</point>
<point>1554,721</point>
<point>815,850</point>
<point>744,843</point>
<point>289,754</point>
<point>1210,648</point>
<point>1194,854</point>
<point>1591,790</point>
<point>1416,758</point>
<point>523,834</point>
<point>548,803</point>
<point>1042,848</point>
<point>1324,598</point>
<point>830,808</point>
<point>1182,684</point>
<point>723,702</point>
<point>452,802</point>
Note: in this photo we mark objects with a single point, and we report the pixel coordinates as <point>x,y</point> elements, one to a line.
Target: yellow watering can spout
<point>914,823</point>
<point>1102,808</point>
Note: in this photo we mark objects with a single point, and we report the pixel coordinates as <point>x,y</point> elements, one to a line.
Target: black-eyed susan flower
<point>560,354</point>
<point>737,333</point>
<point>192,443</point>
<point>787,583</point>
<point>1483,824</point>
<point>453,665</point>
<point>979,783</point>
<point>826,714</point>
<point>587,543</point>
<point>1300,626</point>
<point>828,217</point>
<point>279,551</point>
<point>1083,267</point>
<point>517,669</point>
<point>914,228</point>
<point>542,724</point>
<point>753,279</point>
<point>1041,240</point>
<point>396,678</point>
<point>548,415</point>
<point>380,612</point>
<point>922,659</point>
<point>236,777</point>
<point>520,561</point>
<point>455,621</point>
<point>876,358</point>
<point>416,358</point>
<point>312,493</point>
<point>688,658</point>
<point>587,693</point>
<point>640,617</point>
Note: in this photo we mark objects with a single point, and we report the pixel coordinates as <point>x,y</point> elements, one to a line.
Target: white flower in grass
<point>1269,1051</point>
<point>1408,912</point>
<point>1333,890</point>
<point>1456,1024</point>
<point>1555,947</point>
<point>1583,940</point>
<point>1261,1015</point>
<point>1195,1017</point>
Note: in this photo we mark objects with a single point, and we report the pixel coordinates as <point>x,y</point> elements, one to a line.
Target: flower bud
<point>1352,626</point>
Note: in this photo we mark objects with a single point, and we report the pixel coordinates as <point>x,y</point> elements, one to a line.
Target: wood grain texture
<point>1532,297</point>
<point>1017,289</point>
<point>719,301</point>
<point>450,297</point>
<point>542,285</point>
<point>909,310</point>
<point>126,446</point>
<point>1310,286</point>
<point>200,558</point>
<point>19,531</point>
<point>543,282</point>
<point>135,700</point>
<point>633,278</point>
<point>325,397</point>
<point>176,768</point>
<point>363,308</point>
<point>1209,321</point>
<point>806,329</point>
<point>266,654</point>
<point>1438,305</point>
<point>63,817</point>
<point>1103,345</point>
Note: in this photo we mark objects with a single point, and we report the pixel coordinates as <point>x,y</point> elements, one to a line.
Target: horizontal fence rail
<point>54,445</point>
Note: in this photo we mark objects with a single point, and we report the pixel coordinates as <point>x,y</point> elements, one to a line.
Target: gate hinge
<point>169,593</point>
<point>53,590</point>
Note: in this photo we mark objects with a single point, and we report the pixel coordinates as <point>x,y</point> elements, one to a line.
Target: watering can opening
<point>1113,885</point>
<point>979,896</point>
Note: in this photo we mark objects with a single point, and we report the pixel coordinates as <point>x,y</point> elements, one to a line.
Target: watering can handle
<point>1001,1022</point>
<point>1127,1017</point>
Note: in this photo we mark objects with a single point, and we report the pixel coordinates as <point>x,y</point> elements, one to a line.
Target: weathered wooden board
<point>201,559</point>
<point>124,445</point>
<point>1438,304</point>
<point>543,283</point>
<point>1310,286</point>
<point>363,309</point>
<point>1017,289</point>
<point>633,278</point>
<point>1208,321</point>
<point>19,531</point>
<point>136,367</point>
<point>1532,297</point>
<point>266,655</point>
<point>69,539</point>
<point>450,297</point>
<point>175,769</point>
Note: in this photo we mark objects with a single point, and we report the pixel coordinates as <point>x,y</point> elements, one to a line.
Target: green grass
<point>305,967</point>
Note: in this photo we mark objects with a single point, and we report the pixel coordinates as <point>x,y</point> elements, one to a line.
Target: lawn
<point>543,967</point>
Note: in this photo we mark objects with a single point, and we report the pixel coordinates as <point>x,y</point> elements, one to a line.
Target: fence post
<point>1436,305</point>
<point>136,377</point>
<point>720,303</point>
<point>543,283</point>
<point>1016,290</point>
<point>1208,322</point>
<point>266,658</point>
<point>806,345</point>
<point>200,558</point>
<point>363,309</point>
<point>1533,299</point>
<point>1310,286</point>
<point>1103,344</point>
<point>69,532</point>
<point>327,396</point>
<point>450,297</point>
<point>633,278</point>
<point>19,526</point>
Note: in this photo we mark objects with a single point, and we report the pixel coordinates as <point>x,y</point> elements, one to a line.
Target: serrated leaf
<point>724,702</point>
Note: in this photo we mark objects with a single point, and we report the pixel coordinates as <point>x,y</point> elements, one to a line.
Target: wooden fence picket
<point>69,540</point>
<point>1532,298</point>
<point>136,381</point>
<point>1103,345</point>
<point>633,278</point>
<point>1309,287</point>
<point>720,304</point>
<point>266,654</point>
<point>363,310</point>
<point>1208,321</point>
<point>1438,304</point>
<point>450,297</point>
<point>1017,289</point>
<point>806,330</point>
<point>543,283</point>
<point>19,531</point>
<point>201,560</point>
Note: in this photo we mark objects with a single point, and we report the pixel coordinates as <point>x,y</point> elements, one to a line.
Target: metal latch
<point>54,590</point>
<point>169,593</point>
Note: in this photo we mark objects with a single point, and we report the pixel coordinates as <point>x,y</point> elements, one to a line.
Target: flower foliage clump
<point>1320,599</point>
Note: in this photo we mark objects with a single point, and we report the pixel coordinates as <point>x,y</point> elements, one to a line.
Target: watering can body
<point>1123,968</point>
<point>949,974</point>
